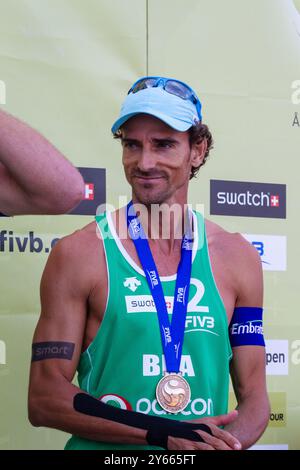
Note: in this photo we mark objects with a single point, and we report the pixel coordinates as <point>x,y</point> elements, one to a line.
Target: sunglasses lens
<point>178,89</point>
<point>142,84</point>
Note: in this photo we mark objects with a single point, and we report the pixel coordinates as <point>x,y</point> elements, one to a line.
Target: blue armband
<point>246,327</point>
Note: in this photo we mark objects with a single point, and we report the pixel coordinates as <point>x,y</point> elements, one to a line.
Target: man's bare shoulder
<point>78,251</point>
<point>80,239</point>
<point>231,246</point>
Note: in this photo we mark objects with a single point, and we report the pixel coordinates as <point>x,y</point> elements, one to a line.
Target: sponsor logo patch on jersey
<point>197,407</point>
<point>116,400</point>
<point>194,322</point>
<point>155,366</point>
<point>132,283</point>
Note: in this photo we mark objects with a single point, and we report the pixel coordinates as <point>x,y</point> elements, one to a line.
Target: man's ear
<point>198,153</point>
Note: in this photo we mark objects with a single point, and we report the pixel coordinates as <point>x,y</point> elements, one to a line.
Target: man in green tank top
<point>144,318</point>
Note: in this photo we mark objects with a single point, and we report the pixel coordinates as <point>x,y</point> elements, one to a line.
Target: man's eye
<point>130,145</point>
<point>165,145</point>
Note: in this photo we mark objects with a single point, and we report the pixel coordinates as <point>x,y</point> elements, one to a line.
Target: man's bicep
<point>57,341</point>
<point>249,277</point>
<point>248,362</point>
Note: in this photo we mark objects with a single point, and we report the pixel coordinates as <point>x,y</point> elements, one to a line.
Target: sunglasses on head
<point>170,85</point>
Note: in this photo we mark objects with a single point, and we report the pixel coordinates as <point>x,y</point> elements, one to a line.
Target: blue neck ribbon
<point>172,334</point>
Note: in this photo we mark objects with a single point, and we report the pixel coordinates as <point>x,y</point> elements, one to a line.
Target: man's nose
<point>147,160</point>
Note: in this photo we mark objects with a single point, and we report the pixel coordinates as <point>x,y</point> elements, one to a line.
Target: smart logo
<point>272,250</point>
<point>247,199</point>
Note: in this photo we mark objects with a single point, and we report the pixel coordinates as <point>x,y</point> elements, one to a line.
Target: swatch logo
<point>247,199</point>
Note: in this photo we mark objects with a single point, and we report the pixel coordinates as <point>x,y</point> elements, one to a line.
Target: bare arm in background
<point>248,365</point>
<point>35,178</point>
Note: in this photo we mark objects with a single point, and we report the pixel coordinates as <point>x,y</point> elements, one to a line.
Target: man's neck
<point>164,224</point>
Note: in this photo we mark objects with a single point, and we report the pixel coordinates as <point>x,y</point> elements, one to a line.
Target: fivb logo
<point>187,244</point>
<point>167,334</point>
<point>153,278</point>
<point>154,366</point>
<point>135,226</point>
<point>181,294</point>
<point>2,353</point>
<point>200,323</point>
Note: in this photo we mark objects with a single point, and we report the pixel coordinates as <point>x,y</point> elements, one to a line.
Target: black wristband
<point>158,436</point>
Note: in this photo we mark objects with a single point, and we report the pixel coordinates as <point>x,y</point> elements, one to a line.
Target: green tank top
<point>124,362</point>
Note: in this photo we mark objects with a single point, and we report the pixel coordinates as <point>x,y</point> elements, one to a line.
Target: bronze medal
<point>173,393</point>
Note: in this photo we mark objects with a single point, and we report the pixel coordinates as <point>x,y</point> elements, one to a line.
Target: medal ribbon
<point>172,334</point>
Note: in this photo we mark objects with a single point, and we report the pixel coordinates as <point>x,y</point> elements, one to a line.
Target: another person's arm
<point>35,178</point>
<point>248,365</point>
<point>65,289</point>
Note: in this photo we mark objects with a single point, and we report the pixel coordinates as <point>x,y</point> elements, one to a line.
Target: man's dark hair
<point>197,134</point>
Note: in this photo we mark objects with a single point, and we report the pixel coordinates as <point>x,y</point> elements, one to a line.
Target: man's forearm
<point>48,180</point>
<point>57,411</point>
<point>75,411</point>
<point>252,420</point>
